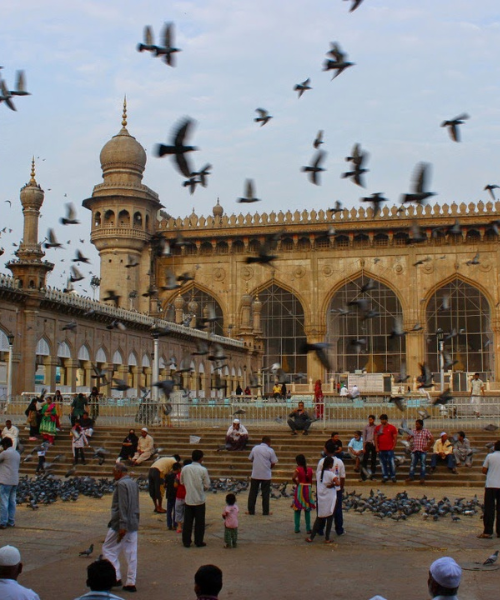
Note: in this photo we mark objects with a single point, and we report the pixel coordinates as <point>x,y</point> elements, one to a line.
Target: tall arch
<point>459,313</point>
<point>199,302</point>
<point>360,338</point>
<point>282,323</point>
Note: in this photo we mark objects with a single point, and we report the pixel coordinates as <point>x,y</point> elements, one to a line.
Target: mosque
<point>427,278</point>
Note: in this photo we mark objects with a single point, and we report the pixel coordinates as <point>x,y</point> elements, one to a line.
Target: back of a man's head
<point>444,577</point>
<point>197,455</point>
<point>101,575</point>
<point>208,581</point>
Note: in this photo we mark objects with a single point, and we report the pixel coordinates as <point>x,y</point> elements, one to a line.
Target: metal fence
<point>334,412</point>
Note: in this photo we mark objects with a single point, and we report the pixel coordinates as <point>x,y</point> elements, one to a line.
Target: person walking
<point>421,440</point>
<point>491,468</point>
<point>303,496</point>
<point>48,423</point>
<point>123,527</point>
<point>264,459</point>
<point>386,436</point>
<point>9,480</point>
<point>78,407</point>
<point>196,480</point>
<point>319,399</point>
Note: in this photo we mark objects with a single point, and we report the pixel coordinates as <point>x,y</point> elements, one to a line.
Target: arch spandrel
<point>472,282</point>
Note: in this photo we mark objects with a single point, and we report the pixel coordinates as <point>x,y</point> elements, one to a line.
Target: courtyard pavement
<point>374,557</point>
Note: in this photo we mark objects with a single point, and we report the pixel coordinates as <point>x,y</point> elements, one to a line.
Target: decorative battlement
<point>393,214</point>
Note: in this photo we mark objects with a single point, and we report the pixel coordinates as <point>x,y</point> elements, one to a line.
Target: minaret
<point>124,214</point>
<point>29,269</point>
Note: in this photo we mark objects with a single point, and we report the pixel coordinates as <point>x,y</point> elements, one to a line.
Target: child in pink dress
<point>230,516</point>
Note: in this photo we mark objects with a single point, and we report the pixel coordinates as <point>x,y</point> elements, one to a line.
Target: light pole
<point>156,366</point>
<point>10,339</point>
<point>440,341</point>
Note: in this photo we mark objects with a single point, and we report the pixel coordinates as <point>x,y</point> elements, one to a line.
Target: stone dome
<point>217,210</point>
<point>123,153</point>
<point>32,194</point>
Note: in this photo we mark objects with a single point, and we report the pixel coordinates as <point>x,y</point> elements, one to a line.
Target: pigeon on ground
<point>491,559</point>
<point>87,552</point>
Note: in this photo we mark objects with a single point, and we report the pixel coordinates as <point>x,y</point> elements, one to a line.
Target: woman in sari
<point>32,420</point>
<point>48,425</point>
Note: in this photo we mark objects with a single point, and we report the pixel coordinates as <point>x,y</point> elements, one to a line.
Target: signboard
<point>367,382</point>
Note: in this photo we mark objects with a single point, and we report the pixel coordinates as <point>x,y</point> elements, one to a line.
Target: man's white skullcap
<point>446,572</point>
<point>442,433</point>
<point>377,598</point>
<point>144,429</point>
<point>9,556</point>
<point>236,421</point>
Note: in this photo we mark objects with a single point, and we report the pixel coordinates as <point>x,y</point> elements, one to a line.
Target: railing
<point>334,412</point>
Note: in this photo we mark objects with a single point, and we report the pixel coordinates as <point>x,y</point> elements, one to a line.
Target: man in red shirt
<point>385,437</point>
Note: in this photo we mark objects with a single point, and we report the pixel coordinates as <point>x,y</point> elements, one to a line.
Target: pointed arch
<point>83,353</point>
<point>458,317</point>
<point>43,347</point>
<point>4,342</point>
<point>487,292</point>
<point>283,327</point>
<point>63,350</point>
<point>101,356</point>
<point>402,298</point>
<point>203,297</point>
<point>117,358</point>
<point>361,337</point>
<point>132,359</point>
<point>145,361</point>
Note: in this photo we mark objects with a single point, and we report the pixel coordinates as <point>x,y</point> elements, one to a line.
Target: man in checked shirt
<point>421,441</point>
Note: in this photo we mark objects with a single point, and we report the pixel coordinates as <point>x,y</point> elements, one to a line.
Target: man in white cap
<point>443,452</point>
<point>145,447</point>
<point>10,569</point>
<point>12,432</point>
<point>236,436</point>
<point>444,579</point>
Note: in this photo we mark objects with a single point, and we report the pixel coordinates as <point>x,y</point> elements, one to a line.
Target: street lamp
<point>10,339</point>
<point>440,342</point>
<point>156,365</point>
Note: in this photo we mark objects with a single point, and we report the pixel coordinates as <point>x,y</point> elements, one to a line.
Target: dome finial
<point>33,180</point>
<point>124,115</point>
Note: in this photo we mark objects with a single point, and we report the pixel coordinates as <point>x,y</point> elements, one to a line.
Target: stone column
<point>72,365</point>
<point>136,373</point>
<point>50,364</point>
<point>148,372</point>
<point>179,309</point>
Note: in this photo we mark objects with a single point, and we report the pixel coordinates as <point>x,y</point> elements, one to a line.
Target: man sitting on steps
<point>299,420</point>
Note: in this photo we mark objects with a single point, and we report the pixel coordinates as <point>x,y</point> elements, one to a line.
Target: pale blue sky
<point>418,62</point>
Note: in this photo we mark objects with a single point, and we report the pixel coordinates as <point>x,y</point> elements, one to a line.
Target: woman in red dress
<point>318,399</point>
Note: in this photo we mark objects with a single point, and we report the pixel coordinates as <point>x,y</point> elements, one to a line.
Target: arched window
<point>83,353</point>
<point>304,244</point>
<point>254,246</point>
<point>97,219</point>
<point>100,357</point>
<point>138,220</point>
<point>123,218</point>
<point>282,322</point>
<point>221,248</point>
<point>190,248</point>
<point>361,339</point>
<point>361,239</point>
<point>460,314</point>
<point>381,239</point>
<point>323,241</point>
<point>238,247</point>
<point>204,301</point>
<point>473,236</point>
<point>341,241</point>
<point>109,218</point>
<point>63,350</point>
<point>400,238</point>
<point>287,244</point>
<point>206,248</point>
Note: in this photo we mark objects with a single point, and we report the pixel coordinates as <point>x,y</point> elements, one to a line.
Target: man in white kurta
<point>145,447</point>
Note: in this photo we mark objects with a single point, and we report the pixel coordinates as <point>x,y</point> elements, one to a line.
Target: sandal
<point>485,536</point>
<point>328,541</point>
<point>309,540</point>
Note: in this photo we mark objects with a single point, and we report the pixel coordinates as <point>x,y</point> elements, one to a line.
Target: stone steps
<point>236,464</point>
